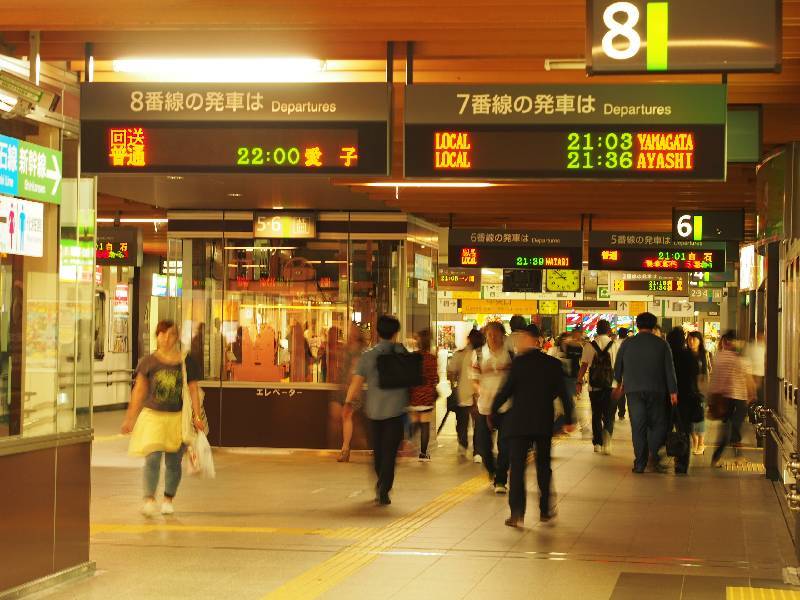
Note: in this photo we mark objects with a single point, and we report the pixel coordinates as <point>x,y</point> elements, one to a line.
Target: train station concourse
<point>377,300</point>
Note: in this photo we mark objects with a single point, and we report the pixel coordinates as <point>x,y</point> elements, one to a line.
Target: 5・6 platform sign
<point>655,36</point>
<point>29,171</point>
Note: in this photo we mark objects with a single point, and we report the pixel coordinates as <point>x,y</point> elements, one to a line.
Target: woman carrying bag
<point>164,412</point>
<point>689,408</point>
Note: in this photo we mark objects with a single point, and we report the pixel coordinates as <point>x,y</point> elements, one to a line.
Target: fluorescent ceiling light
<point>153,221</point>
<point>219,70</point>
<point>254,248</point>
<point>428,184</point>
<point>488,272</point>
<point>564,64</point>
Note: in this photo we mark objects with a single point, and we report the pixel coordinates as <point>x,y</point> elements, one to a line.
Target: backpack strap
<point>608,347</point>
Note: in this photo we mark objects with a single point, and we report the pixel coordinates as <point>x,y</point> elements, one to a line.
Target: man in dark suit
<point>534,382</point>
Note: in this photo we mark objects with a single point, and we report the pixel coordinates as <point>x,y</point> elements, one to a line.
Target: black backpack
<point>398,370</point>
<point>601,372</point>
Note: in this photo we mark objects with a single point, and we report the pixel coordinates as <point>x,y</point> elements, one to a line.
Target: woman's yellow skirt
<point>155,431</point>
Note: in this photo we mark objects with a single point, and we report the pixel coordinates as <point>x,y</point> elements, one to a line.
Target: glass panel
<point>285,309</point>
<point>375,283</point>
<point>421,298</point>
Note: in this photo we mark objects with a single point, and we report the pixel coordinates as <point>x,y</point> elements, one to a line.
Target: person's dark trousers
<point>603,411</point>
<point>483,443</point>
<point>682,462</point>
<point>463,415</point>
<point>648,425</point>
<point>502,462</point>
<point>622,402</point>
<point>386,437</point>
<point>518,450</point>
<point>730,431</point>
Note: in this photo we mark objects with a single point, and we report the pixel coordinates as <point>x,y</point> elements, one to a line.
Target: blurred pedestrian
<point>688,408</point>
<point>701,356</point>
<point>534,382</point>
<point>356,344</point>
<point>423,397</point>
<point>459,369</point>
<point>730,390</point>
<point>646,374</point>
<point>622,334</point>
<point>154,414</point>
<point>598,360</point>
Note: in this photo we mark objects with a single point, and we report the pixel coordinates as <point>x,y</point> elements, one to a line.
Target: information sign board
<point>282,225</point>
<point>647,36</point>
<point>514,249</point>
<point>29,171</point>
<point>235,128</point>
<point>645,132</point>
<point>119,246</point>
<point>451,279</point>
<point>21,227</point>
<point>707,225</point>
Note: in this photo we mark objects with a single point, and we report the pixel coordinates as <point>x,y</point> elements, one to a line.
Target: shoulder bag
<point>398,370</point>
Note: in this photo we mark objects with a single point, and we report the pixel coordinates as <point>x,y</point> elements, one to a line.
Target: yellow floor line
<point>318,580</point>
<point>740,593</point>
<point>348,533</point>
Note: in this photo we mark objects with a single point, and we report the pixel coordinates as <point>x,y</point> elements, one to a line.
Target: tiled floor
<point>279,525</point>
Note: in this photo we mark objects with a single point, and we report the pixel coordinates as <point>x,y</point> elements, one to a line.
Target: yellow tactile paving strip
<point>740,593</point>
<point>344,533</point>
<point>318,580</point>
<point>743,466</point>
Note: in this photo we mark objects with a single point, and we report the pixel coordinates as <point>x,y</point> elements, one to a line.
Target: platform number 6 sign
<point>622,41</point>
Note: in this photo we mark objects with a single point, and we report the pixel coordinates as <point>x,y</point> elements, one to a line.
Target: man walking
<point>646,375</point>
<point>598,359</point>
<point>384,408</point>
<point>622,335</point>
<point>534,381</point>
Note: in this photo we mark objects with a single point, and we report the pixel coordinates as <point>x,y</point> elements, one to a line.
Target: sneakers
<point>424,457</point>
<point>477,459</point>
<point>500,489</point>
<point>149,509</point>
<point>462,452</point>
<point>598,448</point>
<point>547,517</point>
<point>606,448</point>
<point>167,508</point>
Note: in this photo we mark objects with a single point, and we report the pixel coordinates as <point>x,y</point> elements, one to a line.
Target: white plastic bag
<point>201,460</point>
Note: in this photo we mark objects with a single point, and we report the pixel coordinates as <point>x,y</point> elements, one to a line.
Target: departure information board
<point>507,249</point>
<point>648,36</point>
<point>235,128</point>
<point>669,132</point>
<point>654,252</point>
<point>645,284</point>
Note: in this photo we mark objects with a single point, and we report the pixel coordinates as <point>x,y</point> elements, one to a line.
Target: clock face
<point>563,280</point>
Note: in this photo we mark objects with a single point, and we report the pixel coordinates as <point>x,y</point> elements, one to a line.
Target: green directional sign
<point>39,173</point>
<point>29,171</point>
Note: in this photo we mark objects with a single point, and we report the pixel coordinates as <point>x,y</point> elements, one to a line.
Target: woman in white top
<point>459,371</point>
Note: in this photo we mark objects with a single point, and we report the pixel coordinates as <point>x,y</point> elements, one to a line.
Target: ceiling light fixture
<point>153,221</point>
<point>428,184</point>
<point>174,177</point>
<point>277,208</point>
<point>234,195</point>
<point>564,64</point>
<point>7,103</point>
<point>220,70</point>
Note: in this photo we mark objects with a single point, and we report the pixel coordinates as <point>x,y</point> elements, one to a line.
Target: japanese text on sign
<point>127,147</point>
<point>537,104</point>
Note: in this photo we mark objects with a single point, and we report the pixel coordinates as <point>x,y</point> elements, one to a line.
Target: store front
<point>46,289</point>
<point>275,306</point>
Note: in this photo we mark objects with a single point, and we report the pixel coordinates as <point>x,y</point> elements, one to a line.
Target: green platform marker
<point>698,228</point>
<point>657,36</point>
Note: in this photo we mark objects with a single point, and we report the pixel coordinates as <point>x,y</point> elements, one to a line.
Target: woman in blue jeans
<point>154,415</point>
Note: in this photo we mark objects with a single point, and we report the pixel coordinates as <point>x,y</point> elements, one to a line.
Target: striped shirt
<point>730,375</point>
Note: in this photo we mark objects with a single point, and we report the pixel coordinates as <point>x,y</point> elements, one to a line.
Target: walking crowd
<point>517,392</point>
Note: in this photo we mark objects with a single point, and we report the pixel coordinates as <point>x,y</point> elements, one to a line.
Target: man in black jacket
<point>534,382</point>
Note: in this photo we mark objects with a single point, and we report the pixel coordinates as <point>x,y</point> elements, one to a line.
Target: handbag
<point>677,440</point>
<point>452,401</point>
<point>398,370</point>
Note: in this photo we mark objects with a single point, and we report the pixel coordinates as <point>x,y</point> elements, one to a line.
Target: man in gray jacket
<point>646,374</point>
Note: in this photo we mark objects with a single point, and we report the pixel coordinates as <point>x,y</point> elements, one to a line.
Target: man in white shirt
<point>598,358</point>
<point>490,367</point>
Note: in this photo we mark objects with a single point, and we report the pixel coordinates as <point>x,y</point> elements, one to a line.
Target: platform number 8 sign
<point>622,41</point>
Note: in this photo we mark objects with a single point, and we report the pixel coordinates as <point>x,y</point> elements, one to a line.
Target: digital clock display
<point>657,259</point>
<point>675,152</point>
<point>234,147</point>
<point>510,257</point>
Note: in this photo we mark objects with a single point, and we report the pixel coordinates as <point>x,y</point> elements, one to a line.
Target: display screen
<point>657,259</point>
<point>592,152</point>
<point>511,257</point>
<point>650,285</point>
<point>164,147</point>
